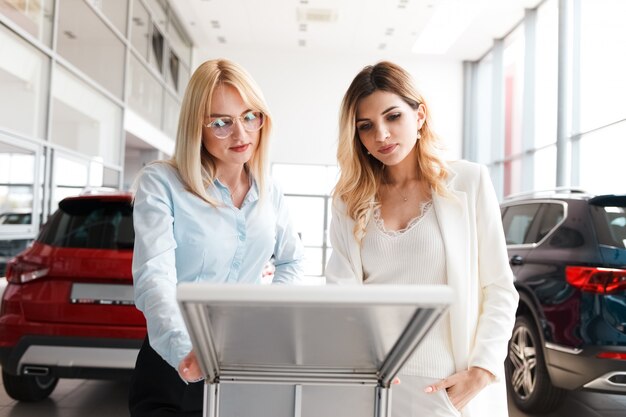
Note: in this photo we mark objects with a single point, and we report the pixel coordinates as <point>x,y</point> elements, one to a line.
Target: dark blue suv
<point>567,250</point>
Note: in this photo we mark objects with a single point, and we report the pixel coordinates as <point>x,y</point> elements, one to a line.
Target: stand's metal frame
<point>199,303</point>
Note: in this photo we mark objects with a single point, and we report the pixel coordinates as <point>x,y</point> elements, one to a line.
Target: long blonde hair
<point>195,165</point>
<point>361,174</point>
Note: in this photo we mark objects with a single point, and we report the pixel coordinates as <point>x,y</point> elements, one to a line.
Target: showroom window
<point>33,16</point>
<point>483,101</point>
<point>513,96</point>
<point>546,72</point>
<point>24,75</point>
<point>83,120</point>
<point>115,11</point>
<point>178,43</point>
<point>85,41</point>
<point>70,177</point>
<point>307,192</point>
<point>17,179</point>
<point>602,159</point>
<point>602,65</point>
<point>19,205</point>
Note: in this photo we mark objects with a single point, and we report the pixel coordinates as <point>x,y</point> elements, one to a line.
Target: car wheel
<point>527,377</point>
<point>28,388</point>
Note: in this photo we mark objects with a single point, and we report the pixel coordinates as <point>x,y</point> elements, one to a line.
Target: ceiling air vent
<point>310,15</point>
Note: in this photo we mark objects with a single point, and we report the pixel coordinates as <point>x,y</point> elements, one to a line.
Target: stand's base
<point>288,400</point>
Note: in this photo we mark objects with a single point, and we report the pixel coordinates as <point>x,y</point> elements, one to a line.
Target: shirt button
<point>236,264</point>
<point>242,237</point>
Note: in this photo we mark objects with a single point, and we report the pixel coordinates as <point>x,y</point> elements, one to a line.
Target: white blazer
<point>483,313</point>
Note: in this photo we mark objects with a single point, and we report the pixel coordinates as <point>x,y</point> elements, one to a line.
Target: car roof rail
<point>547,192</point>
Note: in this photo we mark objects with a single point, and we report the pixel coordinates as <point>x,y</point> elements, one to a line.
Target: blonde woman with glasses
<point>210,214</point>
<point>401,215</point>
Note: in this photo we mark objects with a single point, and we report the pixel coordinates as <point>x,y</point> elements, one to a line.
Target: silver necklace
<point>405,198</point>
<point>235,189</point>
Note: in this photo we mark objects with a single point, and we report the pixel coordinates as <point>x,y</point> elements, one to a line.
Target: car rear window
<point>90,223</point>
<point>609,213</point>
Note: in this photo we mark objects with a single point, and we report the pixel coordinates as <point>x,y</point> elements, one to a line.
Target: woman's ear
<point>421,116</point>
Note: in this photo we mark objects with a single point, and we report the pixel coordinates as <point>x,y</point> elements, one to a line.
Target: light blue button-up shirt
<point>181,238</point>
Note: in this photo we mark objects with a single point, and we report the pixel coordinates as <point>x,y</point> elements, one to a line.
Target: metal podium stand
<point>303,351</point>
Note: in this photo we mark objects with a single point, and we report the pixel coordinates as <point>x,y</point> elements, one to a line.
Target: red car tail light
<point>612,355</point>
<point>596,280</point>
<point>19,271</point>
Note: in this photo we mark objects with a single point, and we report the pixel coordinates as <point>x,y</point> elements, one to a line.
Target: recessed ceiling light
<point>316,15</point>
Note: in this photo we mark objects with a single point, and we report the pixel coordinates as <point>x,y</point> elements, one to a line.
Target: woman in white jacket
<point>403,216</point>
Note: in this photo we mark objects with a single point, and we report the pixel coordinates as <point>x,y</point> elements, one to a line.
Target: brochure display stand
<point>303,351</point>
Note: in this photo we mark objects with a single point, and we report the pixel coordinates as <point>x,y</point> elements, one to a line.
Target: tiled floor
<point>585,404</point>
<point>81,398</point>
<point>73,398</point>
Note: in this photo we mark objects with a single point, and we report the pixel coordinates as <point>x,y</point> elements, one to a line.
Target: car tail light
<point>19,271</point>
<point>596,280</point>
<point>612,355</point>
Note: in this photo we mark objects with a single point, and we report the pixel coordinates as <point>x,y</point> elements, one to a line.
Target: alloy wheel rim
<point>523,357</point>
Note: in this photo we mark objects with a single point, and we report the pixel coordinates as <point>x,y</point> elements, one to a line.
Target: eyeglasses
<point>222,127</point>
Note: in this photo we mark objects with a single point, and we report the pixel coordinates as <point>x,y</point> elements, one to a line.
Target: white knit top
<point>413,255</point>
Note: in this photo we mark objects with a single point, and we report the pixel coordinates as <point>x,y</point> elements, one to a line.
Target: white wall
<point>304,90</point>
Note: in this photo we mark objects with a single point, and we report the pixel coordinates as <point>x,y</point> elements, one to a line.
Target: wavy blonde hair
<point>361,174</point>
<point>196,166</point>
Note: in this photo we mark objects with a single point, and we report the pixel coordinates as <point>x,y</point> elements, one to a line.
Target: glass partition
<point>178,43</point>
<point>145,92</point>
<point>70,176</point>
<point>85,41</point>
<point>24,75</point>
<point>34,16</point>
<point>307,192</point>
<point>115,11</point>
<point>602,66</point>
<point>84,120</point>
<point>546,74</point>
<point>602,160</point>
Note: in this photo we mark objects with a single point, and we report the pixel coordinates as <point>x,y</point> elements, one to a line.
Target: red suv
<point>67,310</point>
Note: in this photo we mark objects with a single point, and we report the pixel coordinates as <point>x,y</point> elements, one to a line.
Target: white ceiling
<point>342,26</point>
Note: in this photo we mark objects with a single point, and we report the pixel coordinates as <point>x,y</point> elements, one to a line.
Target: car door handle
<point>516,260</point>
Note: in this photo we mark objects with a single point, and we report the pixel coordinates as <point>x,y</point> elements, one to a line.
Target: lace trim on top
<point>380,223</point>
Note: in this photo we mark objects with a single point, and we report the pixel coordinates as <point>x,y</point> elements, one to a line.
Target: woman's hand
<point>189,368</point>
<point>463,386</point>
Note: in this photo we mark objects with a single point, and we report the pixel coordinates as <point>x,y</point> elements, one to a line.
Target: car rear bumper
<point>71,357</point>
<point>581,369</point>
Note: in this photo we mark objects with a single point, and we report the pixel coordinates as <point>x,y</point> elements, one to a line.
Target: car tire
<point>527,377</point>
<point>28,388</point>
